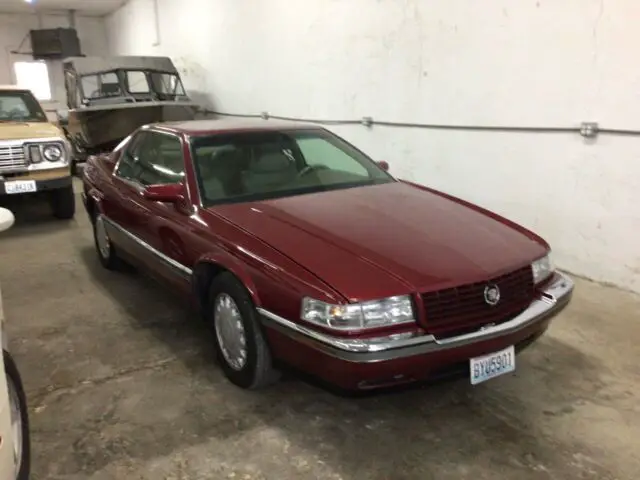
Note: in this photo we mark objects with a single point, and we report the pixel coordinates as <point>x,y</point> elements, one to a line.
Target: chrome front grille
<point>12,158</point>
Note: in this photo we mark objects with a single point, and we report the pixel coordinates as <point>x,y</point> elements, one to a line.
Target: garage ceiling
<point>84,7</point>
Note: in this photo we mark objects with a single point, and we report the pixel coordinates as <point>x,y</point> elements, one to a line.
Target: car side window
<point>320,152</point>
<point>153,159</point>
<point>127,167</point>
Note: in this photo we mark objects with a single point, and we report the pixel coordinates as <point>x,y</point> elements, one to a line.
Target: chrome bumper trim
<point>552,300</point>
<point>26,166</point>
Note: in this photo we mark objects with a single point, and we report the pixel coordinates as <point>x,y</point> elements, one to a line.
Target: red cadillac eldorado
<point>299,249</point>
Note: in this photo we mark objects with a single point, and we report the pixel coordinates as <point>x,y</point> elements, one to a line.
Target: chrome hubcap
<point>230,331</point>
<point>104,246</point>
<point>16,424</point>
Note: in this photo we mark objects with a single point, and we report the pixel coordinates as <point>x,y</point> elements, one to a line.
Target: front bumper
<point>45,181</point>
<point>360,362</point>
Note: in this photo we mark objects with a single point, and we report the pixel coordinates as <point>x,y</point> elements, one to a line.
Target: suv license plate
<point>20,186</point>
<point>492,365</point>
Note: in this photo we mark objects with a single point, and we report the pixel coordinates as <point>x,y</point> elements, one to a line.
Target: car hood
<point>376,241</point>
<point>27,130</point>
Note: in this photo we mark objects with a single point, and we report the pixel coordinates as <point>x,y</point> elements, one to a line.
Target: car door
<point>165,224</point>
<point>127,210</point>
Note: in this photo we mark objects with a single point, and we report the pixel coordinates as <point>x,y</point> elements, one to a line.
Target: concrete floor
<point>122,385</point>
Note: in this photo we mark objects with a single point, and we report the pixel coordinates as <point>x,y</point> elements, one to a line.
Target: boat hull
<point>94,130</point>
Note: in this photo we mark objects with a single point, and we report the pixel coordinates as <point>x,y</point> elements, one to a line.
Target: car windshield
<point>20,106</point>
<point>251,166</point>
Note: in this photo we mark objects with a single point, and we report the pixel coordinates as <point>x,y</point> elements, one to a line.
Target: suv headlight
<point>359,316</point>
<point>53,152</point>
<point>542,268</point>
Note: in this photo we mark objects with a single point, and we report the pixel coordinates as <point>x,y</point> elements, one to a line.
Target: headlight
<point>53,153</point>
<point>358,316</point>
<point>542,269</point>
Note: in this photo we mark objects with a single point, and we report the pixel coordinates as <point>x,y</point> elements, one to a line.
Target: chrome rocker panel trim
<point>552,300</point>
<point>177,266</point>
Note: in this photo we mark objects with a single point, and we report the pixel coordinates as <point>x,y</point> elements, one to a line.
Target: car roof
<point>214,126</point>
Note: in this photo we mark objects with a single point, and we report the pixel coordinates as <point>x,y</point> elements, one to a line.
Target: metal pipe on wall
<point>156,19</point>
<point>71,18</point>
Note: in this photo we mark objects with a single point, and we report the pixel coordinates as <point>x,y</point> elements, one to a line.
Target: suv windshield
<point>250,166</point>
<point>20,106</point>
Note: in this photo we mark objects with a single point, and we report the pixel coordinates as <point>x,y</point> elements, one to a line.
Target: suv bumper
<point>44,181</point>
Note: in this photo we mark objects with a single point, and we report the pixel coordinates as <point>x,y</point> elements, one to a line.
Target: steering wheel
<point>311,168</point>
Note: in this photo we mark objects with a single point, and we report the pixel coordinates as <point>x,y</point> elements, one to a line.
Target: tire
<point>63,203</point>
<point>106,251</point>
<point>14,382</point>
<point>257,370</point>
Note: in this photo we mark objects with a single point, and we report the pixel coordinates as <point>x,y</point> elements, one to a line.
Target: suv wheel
<point>63,203</point>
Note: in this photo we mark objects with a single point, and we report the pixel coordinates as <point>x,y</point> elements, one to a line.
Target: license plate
<point>492,365</point>
<point>21,186</point>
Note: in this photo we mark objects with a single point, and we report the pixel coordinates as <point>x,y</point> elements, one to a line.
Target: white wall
<point>495,62</point>
<point>14,28</point>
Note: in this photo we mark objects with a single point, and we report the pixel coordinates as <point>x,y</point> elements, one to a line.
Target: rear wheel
<point>106,251</point>
<point>240,344</point>
<point>19,419</point>
<point>63,203</point>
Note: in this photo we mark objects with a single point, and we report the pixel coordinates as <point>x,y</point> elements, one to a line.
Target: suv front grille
<point>12,158</point>
<point>463,309</point>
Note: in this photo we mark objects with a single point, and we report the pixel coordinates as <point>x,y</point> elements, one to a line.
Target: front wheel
<point>240,344</point>
<point>63,203</point>
<point>19,419</point>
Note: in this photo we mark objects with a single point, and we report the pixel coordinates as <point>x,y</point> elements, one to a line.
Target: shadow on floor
<point>33,214</point>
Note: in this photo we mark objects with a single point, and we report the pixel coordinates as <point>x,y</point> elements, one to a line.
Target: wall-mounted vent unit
<point>55,43</point>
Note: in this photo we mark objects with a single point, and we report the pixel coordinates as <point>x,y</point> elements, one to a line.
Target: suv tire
<point>63,203</point>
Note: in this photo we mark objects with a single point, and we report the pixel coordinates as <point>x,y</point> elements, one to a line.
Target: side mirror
<point>167,193</point>
<point>383,165</point>
<point>63,114</point>
<point>6,219</point>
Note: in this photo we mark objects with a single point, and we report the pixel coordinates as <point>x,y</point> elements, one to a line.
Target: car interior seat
<point>221,174</point>
<point>269,168</point>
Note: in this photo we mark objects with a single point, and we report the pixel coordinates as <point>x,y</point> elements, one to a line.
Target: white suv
<point>15,447</point>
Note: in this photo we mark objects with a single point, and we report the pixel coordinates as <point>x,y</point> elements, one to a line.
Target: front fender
<point>224,261</point>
